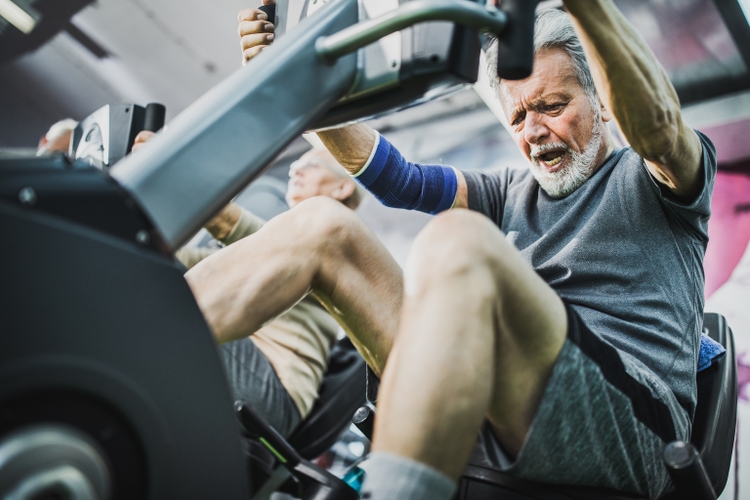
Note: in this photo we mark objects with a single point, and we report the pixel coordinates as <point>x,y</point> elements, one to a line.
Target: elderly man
<point>278,368</point>
<point>563,307</point>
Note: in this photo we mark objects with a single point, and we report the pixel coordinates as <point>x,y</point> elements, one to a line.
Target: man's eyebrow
<point>547,98</point>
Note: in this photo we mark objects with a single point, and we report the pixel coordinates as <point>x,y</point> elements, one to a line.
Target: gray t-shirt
<point>624,255</point>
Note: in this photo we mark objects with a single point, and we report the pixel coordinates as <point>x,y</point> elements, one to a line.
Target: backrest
<point>716,414</point>
<point>341,393</point>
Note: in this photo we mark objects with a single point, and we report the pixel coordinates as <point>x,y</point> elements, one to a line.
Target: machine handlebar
<point>515,51</point>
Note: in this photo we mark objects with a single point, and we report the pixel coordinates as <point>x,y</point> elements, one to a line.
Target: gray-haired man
<point>567,316</point>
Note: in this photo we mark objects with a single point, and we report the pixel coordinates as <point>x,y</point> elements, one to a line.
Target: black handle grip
<point>267,435</point>
<point>364,419</point>
<point>270,11</point>
<point>153,120</point>
<point>515,50</point>
<point>687,472</point>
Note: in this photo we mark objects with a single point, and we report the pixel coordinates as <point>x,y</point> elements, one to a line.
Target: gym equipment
<point>341,393</point>
<point>106,136</point>
<point>107,360</point>
<point>326,66</point>
<point>110,386</point>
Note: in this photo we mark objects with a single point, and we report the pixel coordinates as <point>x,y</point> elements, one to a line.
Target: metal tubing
<point>226,138</point>
<point>362,34</point>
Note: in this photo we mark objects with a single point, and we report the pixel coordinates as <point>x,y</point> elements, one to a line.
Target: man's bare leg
<point>319,246</point>
<point>479,335</point>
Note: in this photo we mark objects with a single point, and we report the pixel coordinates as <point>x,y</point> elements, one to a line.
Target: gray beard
<point>580,166</point>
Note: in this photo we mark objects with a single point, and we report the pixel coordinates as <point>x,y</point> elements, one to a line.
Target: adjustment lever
<point>267,435</point>
<point>688,474</point>
<point>315,482</point>
<point>364,419</point>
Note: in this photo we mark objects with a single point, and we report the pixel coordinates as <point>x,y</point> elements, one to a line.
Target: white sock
<point>393,477</point>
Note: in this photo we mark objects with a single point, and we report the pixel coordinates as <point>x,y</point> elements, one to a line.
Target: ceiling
<point>169,51</point>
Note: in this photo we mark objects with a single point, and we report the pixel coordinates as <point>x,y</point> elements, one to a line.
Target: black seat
<point>341,393</point>
<point>715,419</point>
<point>712,435</point>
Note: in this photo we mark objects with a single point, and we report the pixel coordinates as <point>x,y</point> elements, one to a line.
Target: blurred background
<point>66,58</point>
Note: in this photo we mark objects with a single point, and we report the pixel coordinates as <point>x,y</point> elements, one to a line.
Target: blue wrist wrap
<point>398,183</point>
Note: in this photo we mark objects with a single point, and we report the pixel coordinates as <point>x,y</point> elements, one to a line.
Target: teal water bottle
<point>354,478</point>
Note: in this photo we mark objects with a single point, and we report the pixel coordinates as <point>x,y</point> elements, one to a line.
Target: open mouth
<point>552,158</point>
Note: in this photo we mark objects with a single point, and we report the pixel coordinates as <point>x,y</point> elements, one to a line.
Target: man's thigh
<point>530,330</point>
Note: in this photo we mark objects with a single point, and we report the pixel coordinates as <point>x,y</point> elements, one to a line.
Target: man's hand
<point>256,31</point>
<point>142,138</point>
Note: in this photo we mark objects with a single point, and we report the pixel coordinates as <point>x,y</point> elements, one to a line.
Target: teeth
<point>554,162</point>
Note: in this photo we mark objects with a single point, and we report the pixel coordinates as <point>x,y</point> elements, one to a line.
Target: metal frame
<point>739,29</point>
<point>355,37</point>
<point>229,136</point>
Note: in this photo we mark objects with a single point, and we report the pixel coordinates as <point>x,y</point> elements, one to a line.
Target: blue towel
<point>709,351</point>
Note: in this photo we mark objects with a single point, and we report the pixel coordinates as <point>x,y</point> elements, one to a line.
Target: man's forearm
<point>630,81</point>
<point>350,145</point>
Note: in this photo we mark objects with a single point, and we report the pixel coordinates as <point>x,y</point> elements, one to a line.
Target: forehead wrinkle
<point>553,73</point>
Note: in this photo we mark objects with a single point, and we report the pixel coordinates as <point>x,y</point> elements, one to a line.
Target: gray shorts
<point>604,420</point>
<point>252,378</point>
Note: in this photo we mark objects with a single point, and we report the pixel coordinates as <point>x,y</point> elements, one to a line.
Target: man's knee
<point>456,243</point>
<point>324,223</point>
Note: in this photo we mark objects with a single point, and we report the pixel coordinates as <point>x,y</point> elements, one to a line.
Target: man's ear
<point>606,115</point>
<point>344,190</point>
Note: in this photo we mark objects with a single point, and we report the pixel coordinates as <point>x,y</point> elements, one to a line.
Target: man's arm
<point>636,89</point>
<point>353,145</point>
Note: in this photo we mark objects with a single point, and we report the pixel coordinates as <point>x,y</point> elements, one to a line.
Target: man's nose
<point>535,130</point>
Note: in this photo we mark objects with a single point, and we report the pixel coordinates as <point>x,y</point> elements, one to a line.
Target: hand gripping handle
<point>515,50</point>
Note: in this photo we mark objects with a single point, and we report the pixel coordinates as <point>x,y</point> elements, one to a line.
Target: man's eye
<point>518,120</point>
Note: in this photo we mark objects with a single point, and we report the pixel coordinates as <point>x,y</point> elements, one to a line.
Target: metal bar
<point>360,35</point>
<point>227,138</point>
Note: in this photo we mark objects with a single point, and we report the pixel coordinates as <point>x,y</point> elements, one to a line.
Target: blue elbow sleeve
<point>398,183</point>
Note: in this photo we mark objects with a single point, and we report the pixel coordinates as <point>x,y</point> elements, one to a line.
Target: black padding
<point>342,392</point>
<point>373,385</point>
<point>716,414</point>
<point>260,464</point>
<point>153,119</point>
<point>114,325</point>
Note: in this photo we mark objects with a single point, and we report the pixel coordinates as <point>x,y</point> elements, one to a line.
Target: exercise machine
<point>110,385</point>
